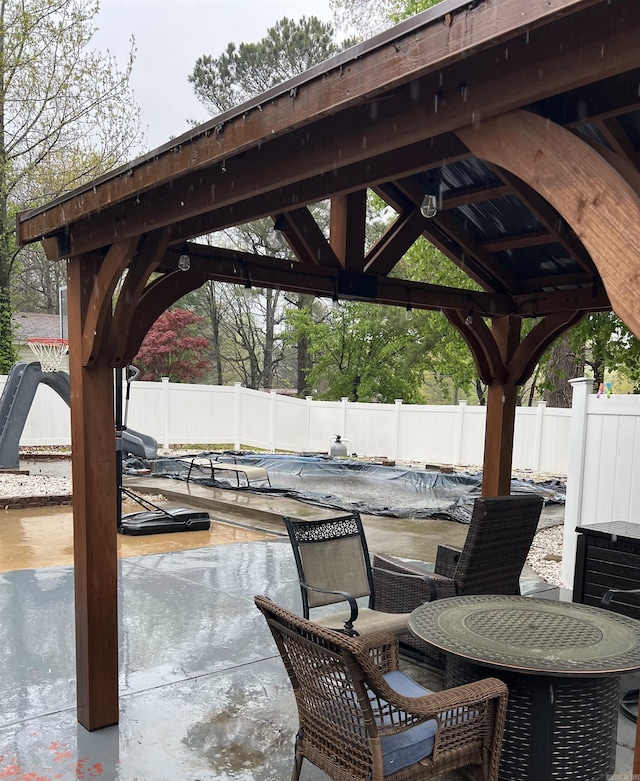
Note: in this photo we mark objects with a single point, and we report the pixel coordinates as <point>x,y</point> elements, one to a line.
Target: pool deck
<point>203,693</point>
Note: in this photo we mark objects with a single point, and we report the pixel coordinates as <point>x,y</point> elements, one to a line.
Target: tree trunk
<point>563,366</point>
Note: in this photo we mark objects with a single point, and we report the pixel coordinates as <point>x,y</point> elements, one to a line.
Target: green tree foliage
<point>367,353</point>
<point>172,349</point>
<point>248,69</point>
<point>66,115</point>
<point>606,345</point>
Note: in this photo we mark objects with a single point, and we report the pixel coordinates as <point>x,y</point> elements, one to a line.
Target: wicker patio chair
<point>334,566</point>
<point>361,719</point>
<point>500,534</point>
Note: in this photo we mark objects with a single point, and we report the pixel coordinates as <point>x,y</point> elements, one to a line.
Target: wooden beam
<point>347,227</point>
<point>99,310</point>
<point>618,140</point>
<point>156,298</point>
<point>396,240</point>
<point>224,265</point>
<point>146,261</point>
<point>317,176</point>
<point>542,335</point>
<point>304,236</point>
<point>94,513</point>
<point>597,201</point>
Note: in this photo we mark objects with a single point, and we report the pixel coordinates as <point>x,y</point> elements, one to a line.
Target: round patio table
<point>561,662</point>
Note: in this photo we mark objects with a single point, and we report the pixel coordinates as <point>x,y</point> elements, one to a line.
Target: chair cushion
<point>368,621</point>
<point>408,747</point>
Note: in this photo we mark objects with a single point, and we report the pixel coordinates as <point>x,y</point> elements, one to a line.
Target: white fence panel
<point>290,430</point>
<point>175,413</point>
<point>602,469</point>
<point>372,429</point>
<point>255,419</point>
<point>472,450</point>
<point>49,419</point>
<point>144,413</point>
<point>327,418</point>
<point>554,441</point>
<point>428,433</point>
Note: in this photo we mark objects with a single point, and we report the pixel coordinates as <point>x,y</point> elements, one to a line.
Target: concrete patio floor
<point>204,694</point>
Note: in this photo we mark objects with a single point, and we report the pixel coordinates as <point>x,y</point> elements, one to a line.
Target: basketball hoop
<point>50,352</point>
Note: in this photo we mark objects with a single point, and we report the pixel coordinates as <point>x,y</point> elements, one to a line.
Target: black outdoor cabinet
<point>608,556</point>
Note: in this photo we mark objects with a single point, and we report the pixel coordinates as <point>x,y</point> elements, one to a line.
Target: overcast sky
<point>171,34</point>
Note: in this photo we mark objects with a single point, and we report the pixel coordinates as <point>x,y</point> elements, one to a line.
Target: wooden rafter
<point>395,241</point>
<point>306,239</point>
<point>548,218</point>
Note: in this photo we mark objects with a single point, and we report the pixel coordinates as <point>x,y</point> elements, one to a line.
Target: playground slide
<point>16,401</point>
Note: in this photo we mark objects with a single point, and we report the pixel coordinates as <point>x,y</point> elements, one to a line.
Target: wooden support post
<point>347,226</point>
<point>498,439</point>
<point>94,513</point>
<point>501,414</point>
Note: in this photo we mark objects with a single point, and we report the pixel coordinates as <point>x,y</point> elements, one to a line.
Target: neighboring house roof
<point>28,325</point>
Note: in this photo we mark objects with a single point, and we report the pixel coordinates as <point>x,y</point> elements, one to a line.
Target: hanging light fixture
<point>429,205</point>
<point>247,291</point>
<point>184,261</point>
<point>277,236</point>
<point>408,315</point>
<point>335,301</point>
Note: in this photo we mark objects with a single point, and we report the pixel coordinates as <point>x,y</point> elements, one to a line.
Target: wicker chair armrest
<point>349,598</point>
<point>447,559</point>
<point>450,706</point>
<point>431,706</point>
<point>382,648</point>
<point>401,588</point>
<point>422,585</point>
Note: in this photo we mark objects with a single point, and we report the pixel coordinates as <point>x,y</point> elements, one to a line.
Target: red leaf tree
<point>171,349</point>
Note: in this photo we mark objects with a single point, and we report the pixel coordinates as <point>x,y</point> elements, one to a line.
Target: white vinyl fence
<point>603,465</point>
<point>596,444</point>
<point>176,413</point>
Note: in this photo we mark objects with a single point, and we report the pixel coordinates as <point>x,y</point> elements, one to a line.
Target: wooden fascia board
<point>572,47</point>
<point>246,200</point>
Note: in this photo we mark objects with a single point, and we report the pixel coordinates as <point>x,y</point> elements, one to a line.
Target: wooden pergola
<point>521,116</point>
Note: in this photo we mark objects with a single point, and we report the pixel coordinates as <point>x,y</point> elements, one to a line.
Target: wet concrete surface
<point>204,694</point>
<point>43,537</point>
